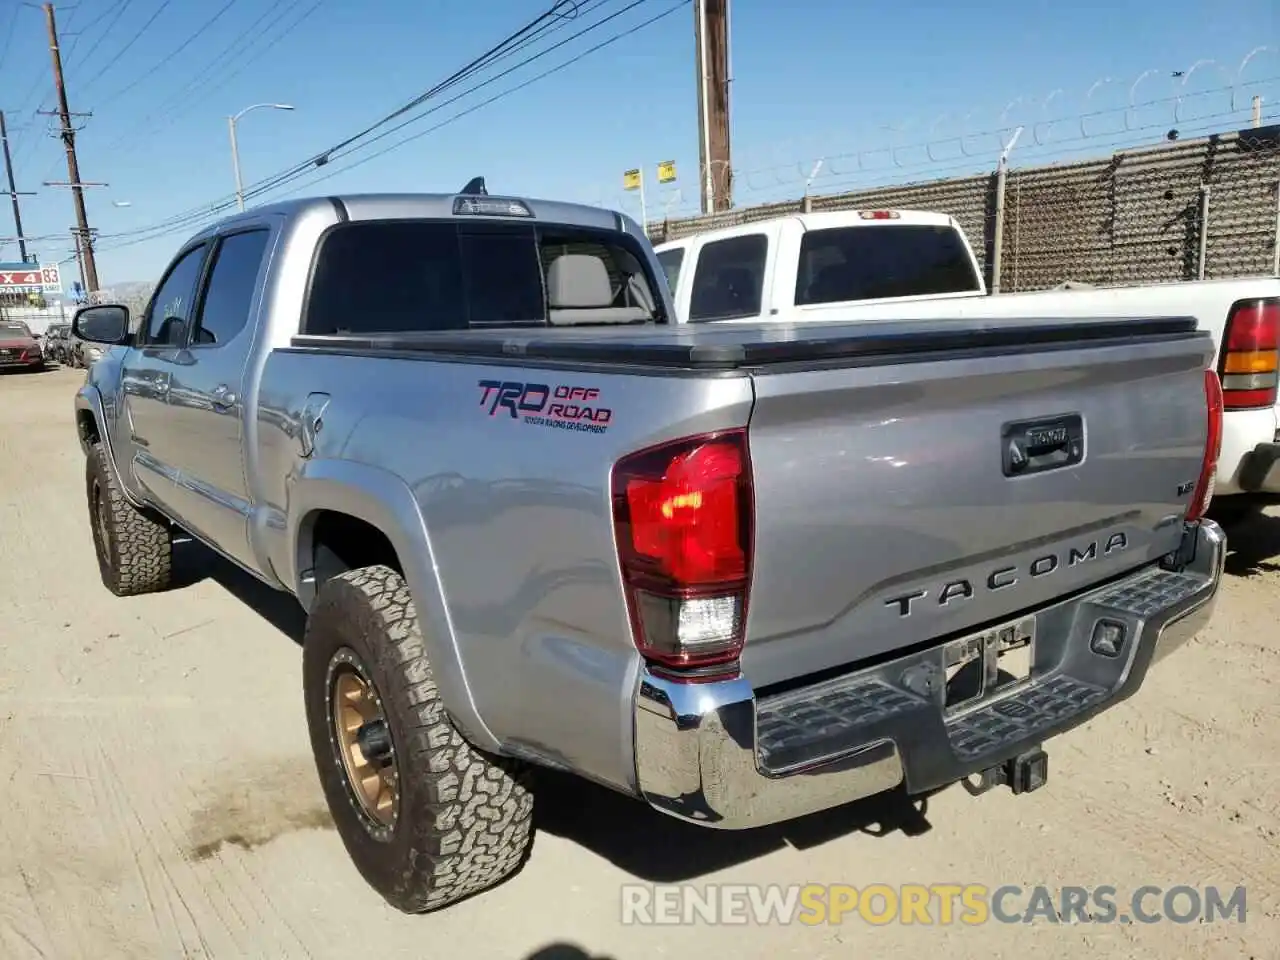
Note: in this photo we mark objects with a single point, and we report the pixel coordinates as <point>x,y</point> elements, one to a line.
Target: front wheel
<point>134,548</point>
<point>426,818</point>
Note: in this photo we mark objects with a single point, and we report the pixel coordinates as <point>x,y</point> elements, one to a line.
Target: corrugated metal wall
<point>1135,217</point>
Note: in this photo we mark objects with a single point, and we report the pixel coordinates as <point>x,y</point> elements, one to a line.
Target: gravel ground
<point>161,799</point>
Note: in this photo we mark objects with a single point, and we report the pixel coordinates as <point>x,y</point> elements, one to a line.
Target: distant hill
<point>131,288</point>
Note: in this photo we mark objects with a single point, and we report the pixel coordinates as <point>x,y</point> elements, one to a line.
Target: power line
<point>505,93</point>
<point>456,77</point>
<point>8,36</point>
<point>166,229</point>
<point>333,152</point>
<point>182,46</point>
<point>170,108</point>
<point>80,34</point>
<point>196,214</point>
<point>120,9</point>
<point>119,57</point>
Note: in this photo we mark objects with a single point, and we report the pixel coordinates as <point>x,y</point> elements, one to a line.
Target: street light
<point>235,152</point>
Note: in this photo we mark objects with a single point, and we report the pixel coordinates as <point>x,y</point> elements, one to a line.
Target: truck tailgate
<point>903,499</point>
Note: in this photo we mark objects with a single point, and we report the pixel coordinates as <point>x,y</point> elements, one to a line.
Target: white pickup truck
<point>903,264</point>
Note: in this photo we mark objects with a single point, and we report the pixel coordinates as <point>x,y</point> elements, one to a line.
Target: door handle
<point>223,397</point>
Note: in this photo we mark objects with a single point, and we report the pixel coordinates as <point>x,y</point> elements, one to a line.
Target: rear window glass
<point>414,276</point>
<point>865,263</point>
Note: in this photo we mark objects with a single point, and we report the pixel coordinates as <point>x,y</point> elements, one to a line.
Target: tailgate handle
<point>1034,446</point>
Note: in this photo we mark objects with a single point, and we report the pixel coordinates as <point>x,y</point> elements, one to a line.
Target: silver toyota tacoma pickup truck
<point>743,574</point>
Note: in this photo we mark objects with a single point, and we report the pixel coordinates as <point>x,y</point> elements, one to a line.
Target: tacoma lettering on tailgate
<point>1004,577</point>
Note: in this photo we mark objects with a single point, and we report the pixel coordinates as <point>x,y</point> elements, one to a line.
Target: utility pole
<point>711,33</point>
<point>13,190</point>
<point>73,167</point>
<point>75,235</point>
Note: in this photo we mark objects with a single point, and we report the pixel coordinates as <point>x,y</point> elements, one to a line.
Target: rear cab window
<point>841,264</point>
<point>419,276</point>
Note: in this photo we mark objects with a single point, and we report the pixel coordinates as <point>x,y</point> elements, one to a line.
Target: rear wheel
<point>426,818</point>
<point>134,549</point>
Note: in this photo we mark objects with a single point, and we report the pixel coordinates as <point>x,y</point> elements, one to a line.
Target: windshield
<point>11,329</point>
<point>418,276</point>
<point>864,263</point>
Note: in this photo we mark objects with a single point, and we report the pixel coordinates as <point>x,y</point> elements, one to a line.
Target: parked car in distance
<point>19,349</point>
<point>743,573</point>
<point>873,265</point>
<point>82,353</point>
<point>56,341</point>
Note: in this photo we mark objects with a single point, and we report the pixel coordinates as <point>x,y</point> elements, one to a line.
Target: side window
<point>387,277</point>
<point>225,310</point>
<point>729,278</point>
<point>172,305</point>
<point>670,261</point>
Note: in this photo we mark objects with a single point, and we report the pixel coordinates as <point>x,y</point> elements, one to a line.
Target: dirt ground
<point>160,799</point>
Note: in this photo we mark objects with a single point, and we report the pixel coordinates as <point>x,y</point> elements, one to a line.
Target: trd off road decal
<point>561,406</point>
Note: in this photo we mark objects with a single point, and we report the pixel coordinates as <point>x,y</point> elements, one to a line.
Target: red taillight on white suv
<point>1213,394</point>
<point>682,514</point>
<point>1249,357</point>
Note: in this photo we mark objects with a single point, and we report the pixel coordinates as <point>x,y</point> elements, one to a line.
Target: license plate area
<point>988,664</point>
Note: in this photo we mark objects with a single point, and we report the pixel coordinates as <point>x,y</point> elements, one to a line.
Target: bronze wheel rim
<point>361,737</point>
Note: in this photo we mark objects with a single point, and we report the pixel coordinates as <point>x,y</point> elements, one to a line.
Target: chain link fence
<point>1200,209</point>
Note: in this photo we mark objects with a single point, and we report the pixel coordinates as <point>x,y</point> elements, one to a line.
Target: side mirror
<point>107,323</point>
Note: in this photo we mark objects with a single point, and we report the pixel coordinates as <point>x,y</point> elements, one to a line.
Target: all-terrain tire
<point>134,548</point>
<point>465,819</point>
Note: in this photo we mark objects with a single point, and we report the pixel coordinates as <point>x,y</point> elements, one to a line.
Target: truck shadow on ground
<point>657,848</point>
<point>564,951</point>
<point>193,562</point>
<point>650,845</point>
<point>1253,544</point>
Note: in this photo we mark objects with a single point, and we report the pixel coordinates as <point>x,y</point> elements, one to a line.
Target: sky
<point>879,91</point>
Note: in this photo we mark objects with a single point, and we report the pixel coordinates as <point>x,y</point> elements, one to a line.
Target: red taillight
<point>1249,356</point>
<point>682,514</point>
<point>879,214</point>
<point>1212,447</point>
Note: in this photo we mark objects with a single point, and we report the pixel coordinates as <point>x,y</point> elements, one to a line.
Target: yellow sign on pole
<point>666,171</point>
<point>631,180</point>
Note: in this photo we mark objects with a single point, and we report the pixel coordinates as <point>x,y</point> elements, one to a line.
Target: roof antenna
<point>475,188</point>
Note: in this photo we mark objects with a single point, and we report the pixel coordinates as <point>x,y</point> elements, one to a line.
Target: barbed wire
<point>1043,121</point>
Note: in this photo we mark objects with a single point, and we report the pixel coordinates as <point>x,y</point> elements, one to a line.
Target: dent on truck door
<point>206,400</point>
<point>147,375</point>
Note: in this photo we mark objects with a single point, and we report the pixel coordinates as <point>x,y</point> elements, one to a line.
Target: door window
<point>225,310</point>
<point>728,279</point>
<point>171,308</point>
<point>670,261</point>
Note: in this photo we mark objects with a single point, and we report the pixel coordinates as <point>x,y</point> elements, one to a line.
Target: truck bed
<point>744,346</point>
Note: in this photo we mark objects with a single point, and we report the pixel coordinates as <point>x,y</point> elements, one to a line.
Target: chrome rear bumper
<point>715,754</point>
